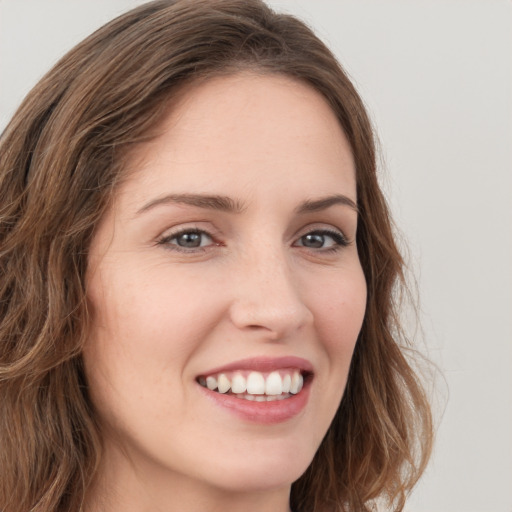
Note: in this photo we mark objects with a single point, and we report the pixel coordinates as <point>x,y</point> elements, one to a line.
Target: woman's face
<point>227,259</point>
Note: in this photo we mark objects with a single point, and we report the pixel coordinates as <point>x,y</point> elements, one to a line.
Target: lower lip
<point>266,413</point>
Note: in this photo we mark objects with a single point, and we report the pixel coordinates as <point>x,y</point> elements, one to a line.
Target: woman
<point>198,278</point>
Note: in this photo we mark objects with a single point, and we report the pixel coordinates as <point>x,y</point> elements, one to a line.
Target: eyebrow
<point>227,204</point>
<point>315,205</point>
<point>215,202</point>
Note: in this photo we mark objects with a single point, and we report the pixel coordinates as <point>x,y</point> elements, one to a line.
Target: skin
<point>255,287</point>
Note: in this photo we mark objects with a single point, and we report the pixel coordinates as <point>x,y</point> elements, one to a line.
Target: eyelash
<point>340,241</point>
<point>165,240</point>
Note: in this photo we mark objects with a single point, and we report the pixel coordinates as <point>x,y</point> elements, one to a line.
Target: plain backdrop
<point>437,78</point>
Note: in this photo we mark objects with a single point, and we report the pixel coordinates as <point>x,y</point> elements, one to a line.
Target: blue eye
<point>188,239</point>
<point>322,239</point>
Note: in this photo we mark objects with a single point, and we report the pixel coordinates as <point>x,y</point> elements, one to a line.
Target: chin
<point>260,470</point>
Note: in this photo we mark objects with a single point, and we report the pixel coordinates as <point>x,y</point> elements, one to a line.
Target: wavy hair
<point>61,157</point>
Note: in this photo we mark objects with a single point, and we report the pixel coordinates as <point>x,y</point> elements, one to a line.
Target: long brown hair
<point>60,159</point>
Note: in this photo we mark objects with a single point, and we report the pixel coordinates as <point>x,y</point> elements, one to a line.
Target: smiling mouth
<point>256,386</point>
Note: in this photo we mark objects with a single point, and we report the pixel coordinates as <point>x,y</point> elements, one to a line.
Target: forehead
<point>252,129</point>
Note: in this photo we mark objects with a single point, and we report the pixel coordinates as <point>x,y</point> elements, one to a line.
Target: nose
<point>267,298</point>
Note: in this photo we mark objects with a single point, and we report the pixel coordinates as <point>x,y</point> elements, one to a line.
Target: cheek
<point>339,312</point>
<point>147,324</point>
<point>338,304</point>
<point>153,311</point>
<point>340,308</point>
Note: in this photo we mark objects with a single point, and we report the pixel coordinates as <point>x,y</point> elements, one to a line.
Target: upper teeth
<point>255,383</point>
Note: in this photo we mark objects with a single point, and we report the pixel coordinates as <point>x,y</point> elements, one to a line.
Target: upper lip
<point>264,364</point>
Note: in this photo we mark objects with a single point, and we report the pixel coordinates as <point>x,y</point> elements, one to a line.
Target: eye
<point>322,239</point>
<point>187,239</point>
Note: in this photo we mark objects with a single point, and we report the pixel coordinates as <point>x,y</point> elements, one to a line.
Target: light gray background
<point>437,78</point>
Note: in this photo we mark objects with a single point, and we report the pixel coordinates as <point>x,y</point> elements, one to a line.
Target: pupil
<point>189,240</point>
<point>313,240</point>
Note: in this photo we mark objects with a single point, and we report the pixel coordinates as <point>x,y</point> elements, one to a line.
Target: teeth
<point>223,384</point>
<point>297,383</point>
<point>274,384</point>
<point>211,383</point>
<point>287,382</point>
<point>277,385</point>
<point>238,384</point>
<point>255,383</point>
